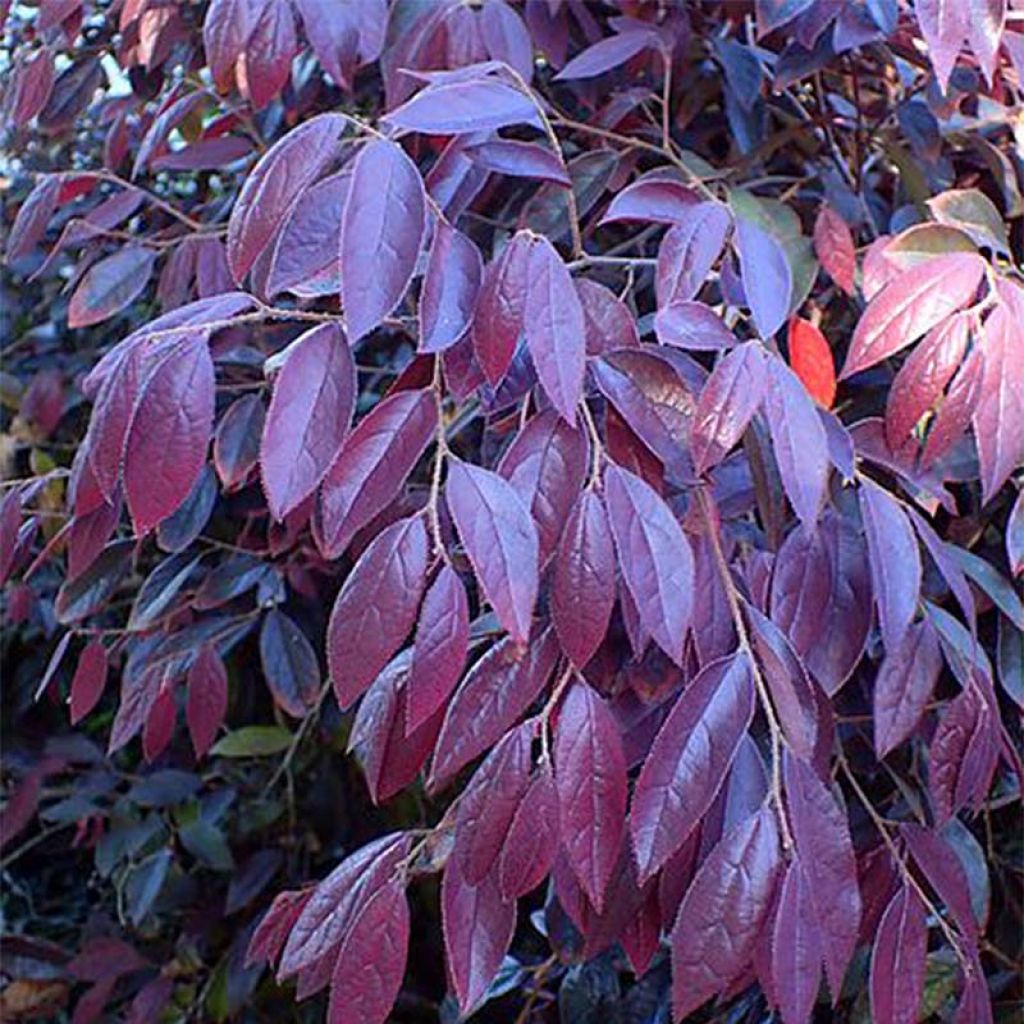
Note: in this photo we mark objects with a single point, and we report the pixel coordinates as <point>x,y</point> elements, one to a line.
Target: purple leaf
<point>796,949</point>
<point>656,197</point>
<point>532,842</point>
<point>911,305</point>
<point>496,691</point>
<point>945,874</point>
<point>944,27</point>
<point>723,912</point>
<point>370,964</point>
<point>963,755</point>
<point>489,802</point>
<point>226,29</point>
<point>439,653</point>
<point>236,443</point>
<point>506,37</point>
<point>309,416</point>
<point>500,539</point>
<point>767,276</point>
<point>377,607</point>
<point>381,232</point>
<point>498,319</point>
<point>478,927</point>
<point>984,25</point>
<point>583,581</point>
<point>729,400</point>
<point>655,558</point>
<point>274,185</point>
<point>328,916</point>
<point>289,664</point>
<point>895,562</point>
<point>689,760</point>
<point>519,159</point>
<point>590,772</point>
<point>206,703</point>
<point>688,252</point>
<point>692,325</point>
<point>110,285</point>
<point>998,417</point>
<point>450,286</point>
<point>266,59</point>
<point>607,54</point>
<point>457,108</point>
<point>904,685</point>
<point>165,447</point>
<point>833,245</point>
<point>825,851</point>
<point>546,463</point>
<point>609,323</point>
<point>553,323</point>
<point>798,441</point>
<point>898,960</point>
<point>372,466</point>
<point>89,680</point>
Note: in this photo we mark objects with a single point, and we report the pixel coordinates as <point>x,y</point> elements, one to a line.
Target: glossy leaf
<point>767,276</point>
<point>796,950</point>
<point>811,360</point>
<point>450,286</point>
<point>289,663</point>
<point>381,233</point>
<point>532,842</point>
<point>833,245</point>
<point>110,285</point>
<point>89,680</point>
<point>898,960</point>
<point>689,760</point>
<point>688,252</point>
<point>590,773</point>
<point>498,318</point>
<point>458,107</point>
<point>207,699</point>
<point>500,539</point>
<point>377,607</point>
<point>655,558</point>
<point>904,685</point>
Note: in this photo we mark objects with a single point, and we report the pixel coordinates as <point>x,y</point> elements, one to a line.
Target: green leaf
<point>253,741</point>
<point>973,213</point>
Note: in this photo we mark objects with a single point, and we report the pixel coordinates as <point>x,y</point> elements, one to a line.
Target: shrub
<point>453,386</point>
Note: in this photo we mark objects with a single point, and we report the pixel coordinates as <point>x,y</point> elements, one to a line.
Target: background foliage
<point>388,385</point>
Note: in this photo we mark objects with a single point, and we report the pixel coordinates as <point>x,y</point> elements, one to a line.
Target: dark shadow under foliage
<point>512,508</point>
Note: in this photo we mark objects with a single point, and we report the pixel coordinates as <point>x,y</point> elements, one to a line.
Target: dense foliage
<point>443,568</point>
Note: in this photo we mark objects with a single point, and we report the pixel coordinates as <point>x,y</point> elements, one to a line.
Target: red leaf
<point>533,837</point>
<point>110,285</point>
<point>655,559</point>
<point>546,463</point>
<point>478,927</point>
<point>688,252</point>
<point>833,245</point>
<point>727,403</point>
<point>811,359</point>
<point>89,680</point>
<point>377,607</point>
<point>274,185</point>
<point>457,108</point>
<point>553,323</point>
<point>158,729</point>
<point>207,699</point>
<point>689,760</point>
<point>609,324</point>
<point>165,449</point>
<point>723,912</point>
<point>767,276</point>
<point>957,408</point>
<point>895,562</point>
<point>924,376</point>
<point>500,539</point>
<point>911,305</point>
<point>269,937</point>
<point>439,653</point>
<point>825,851</point>
<point>225,31</point>
<point>583,582</point>
<point>904,685</point>
<point>796,949</point>
<point>608,53</point>
<point>998,417</point>
<point>371,959</point>
<point>590,772</point>
<point>309,416</point>
<point>381,232</point>
<point>490,801</point>
<point>266,59</point>
<point>327,917</point>
<point>799,442</point>
<point>498,318</point>
<point>372,466</point>
<point>898,960</point>
<point>496,691</point>
<point>450,286</point>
